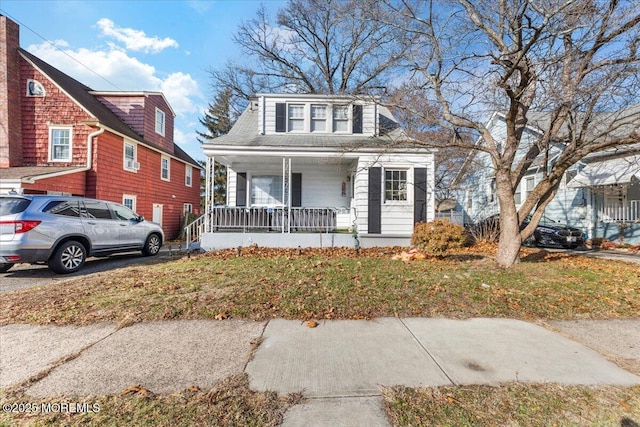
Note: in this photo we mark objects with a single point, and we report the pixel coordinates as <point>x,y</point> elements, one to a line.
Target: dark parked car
<point>548,232</point>
<point>64,231</point>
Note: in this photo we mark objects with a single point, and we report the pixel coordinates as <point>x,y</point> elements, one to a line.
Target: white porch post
<point>289,199</point>
<point>208,192</point>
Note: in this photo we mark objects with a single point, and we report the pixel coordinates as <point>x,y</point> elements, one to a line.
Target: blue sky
<point>139,45</point>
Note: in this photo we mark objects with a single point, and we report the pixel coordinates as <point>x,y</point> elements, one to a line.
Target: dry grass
<point>514,405</point>
<point>230,403</point>
<point>336,284</point>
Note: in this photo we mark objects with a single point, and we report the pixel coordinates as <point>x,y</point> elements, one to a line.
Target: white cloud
<point>115,70</point>
<point>180,88</point>
<point>199,6</point>
<point>135,40</point>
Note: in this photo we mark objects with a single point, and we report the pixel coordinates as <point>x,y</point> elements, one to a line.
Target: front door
<point>157,213</point>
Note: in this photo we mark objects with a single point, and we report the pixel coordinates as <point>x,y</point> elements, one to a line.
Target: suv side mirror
<point>139,218</point>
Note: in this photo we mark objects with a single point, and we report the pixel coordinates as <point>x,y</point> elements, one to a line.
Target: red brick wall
<point>56,108</point>
<point>10,128</point>
<point>112,182</point>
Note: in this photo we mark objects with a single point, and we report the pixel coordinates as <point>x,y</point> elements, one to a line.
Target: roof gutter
<point>33,179</point>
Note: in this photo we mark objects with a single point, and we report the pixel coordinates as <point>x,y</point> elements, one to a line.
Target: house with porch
<point>600,194</point>
<point>316,171</point>
<point>58,136</point>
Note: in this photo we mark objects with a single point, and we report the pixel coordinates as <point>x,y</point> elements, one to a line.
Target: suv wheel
<point>5,266</point>
<point>152,245</point>
<point>68,258</point>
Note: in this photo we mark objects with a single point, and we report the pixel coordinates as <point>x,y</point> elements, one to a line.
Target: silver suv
<point>64,231</point>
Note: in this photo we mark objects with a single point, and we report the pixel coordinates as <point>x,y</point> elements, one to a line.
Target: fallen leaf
<point>221,316</point>
<point>311,324</point>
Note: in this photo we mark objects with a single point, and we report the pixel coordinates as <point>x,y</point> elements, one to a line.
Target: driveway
<point>28,275</point>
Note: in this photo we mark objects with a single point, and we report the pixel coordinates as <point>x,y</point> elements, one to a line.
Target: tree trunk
<point>510,238</point>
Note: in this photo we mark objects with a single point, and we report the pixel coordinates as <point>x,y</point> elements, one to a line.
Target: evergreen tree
<point>217,122</point>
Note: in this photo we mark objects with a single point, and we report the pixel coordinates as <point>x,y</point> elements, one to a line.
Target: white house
<point>316,170</point>
<point>600,194</point>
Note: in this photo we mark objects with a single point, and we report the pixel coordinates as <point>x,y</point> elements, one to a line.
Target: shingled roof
<point>81,93</point>
<point>244,133</point>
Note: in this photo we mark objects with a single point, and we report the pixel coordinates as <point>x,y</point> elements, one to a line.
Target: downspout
<point>90,147</point>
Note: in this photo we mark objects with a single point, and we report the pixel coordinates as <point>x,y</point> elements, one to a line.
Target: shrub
<point>438,237</point>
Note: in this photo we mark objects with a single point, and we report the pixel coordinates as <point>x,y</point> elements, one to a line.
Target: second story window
<point>164,168</point>
<point>130,162</point>
<point>296,117</point>
<point>341,118</point>
<point>318,118</point>
<point>160,121</point>
<point>188,173</point>
<point>60,144</point>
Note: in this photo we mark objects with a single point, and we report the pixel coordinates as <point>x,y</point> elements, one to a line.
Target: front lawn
<point>265,283</point>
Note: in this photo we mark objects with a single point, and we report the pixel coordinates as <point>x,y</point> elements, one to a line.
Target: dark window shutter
<point>420,195</point>
<point>241,189</point>
<point>296,190</point>
<point>375,200</point>
<point>281,117</point>
<point>357,119</point>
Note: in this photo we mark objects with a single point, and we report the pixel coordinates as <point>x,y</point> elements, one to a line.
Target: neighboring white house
<point>600,194</point>
<point>317,170</point>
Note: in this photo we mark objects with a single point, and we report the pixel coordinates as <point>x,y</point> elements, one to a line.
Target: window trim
<point>168,159</point>
<point>163,122</point>
<point>251,190</point>
<point>188,176</point>
<point>335,120</point>
<point>131,197</point>
<point>313,119</point>
<point>406,186</point>
<point>51,144</point>
<point>301,119</point>
<point>124,156</point>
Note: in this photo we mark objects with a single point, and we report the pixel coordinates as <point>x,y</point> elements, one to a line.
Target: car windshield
<point>13,205</point>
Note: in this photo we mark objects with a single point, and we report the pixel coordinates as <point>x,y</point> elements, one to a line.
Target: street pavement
<point>340,365</point>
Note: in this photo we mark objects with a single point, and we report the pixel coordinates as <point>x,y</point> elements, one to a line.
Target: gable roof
<point>84,96</point>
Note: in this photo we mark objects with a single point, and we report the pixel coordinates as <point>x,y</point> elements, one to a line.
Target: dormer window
<point>318,118</point>
<point>35,88</point>
<point>160,120</point>
<point>340,118</point>
<point>296,118</point>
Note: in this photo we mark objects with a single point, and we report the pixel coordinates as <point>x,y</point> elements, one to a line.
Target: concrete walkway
<point>340,365</point>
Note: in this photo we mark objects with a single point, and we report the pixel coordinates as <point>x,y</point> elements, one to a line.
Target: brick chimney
<point>10,114</point>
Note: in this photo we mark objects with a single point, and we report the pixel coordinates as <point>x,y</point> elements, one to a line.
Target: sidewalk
<point>340,365</point>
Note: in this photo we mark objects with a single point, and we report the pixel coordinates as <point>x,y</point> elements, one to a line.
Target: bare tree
<point>314,46</point>
<point>576,61</point>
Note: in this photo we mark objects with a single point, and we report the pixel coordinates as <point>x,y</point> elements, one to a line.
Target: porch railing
<point>282,219</point>
<point>628,211</point>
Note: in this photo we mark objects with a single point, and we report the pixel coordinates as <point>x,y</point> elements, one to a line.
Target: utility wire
<point>62,51</point>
